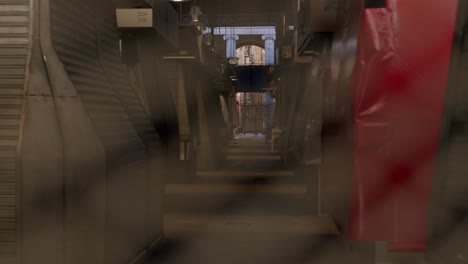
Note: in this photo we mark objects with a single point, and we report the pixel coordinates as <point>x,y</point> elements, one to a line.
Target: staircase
<point>251,211</point>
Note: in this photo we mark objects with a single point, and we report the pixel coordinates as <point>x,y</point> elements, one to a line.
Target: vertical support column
<point>182,112</point>
<point>204,154</point>
<point>231,45</point>
<point>269,48</point>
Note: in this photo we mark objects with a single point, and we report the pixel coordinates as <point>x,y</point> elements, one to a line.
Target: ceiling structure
<point>242,12</point>
<point>225,12</point>
<point>221,7</point>
<point>225,20</point>
<point>132,3</point>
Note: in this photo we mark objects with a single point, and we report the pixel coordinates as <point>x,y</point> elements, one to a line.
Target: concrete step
<point>250,143</point>
<point>247,162</point>
<point>250,151</point>
<point>254,157</point>
<point>250,199</point>
<point>243,144</point>
<point>234,239</point>
<point>228,189</point>
<point>245,173</point>
<point>177,225</point>
<point>243,176</point>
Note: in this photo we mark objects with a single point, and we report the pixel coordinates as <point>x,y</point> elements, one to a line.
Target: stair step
<point>243,173</point>
<point>247,142</point>
<point>256,157</point>
<point>292,189</point>
<point>234,239</point>
<point>251,199</point>
<point>176,225</point>
<point>253,164</point>
<point>243,177</point>
<point>249,151</point>
<point>242,138</point>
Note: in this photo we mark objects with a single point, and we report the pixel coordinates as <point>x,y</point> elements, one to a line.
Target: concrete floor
<point>251,211</point>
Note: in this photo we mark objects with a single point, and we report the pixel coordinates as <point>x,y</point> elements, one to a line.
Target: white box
<point>134,17</point>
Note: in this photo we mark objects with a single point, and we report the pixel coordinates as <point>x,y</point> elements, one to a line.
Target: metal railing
<point>255,118</point>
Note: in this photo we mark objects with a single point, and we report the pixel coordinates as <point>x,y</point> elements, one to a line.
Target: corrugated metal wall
<point>14,43</point>
<point>100,180</point>
<point>117,74</point>
<point>75,39</point>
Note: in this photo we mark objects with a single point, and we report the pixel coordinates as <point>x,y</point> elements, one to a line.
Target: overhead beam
<point>225,20</point>
<point>241,6</point>
<point>244,30</point>
<point>133,3</point>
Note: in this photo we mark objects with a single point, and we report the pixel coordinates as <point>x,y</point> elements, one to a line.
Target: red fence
<point>399,86</point>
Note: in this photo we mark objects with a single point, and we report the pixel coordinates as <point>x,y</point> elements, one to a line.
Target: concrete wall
<point>447,219</point>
